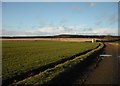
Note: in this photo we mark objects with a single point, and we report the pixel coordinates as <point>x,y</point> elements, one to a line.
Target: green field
<point>22,56</point>
<point>118,42</point>
<point>46,76</point>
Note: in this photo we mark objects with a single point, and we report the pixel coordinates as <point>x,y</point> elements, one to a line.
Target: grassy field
<point>22,56</point>
<point>46,76</point>
<point>118,42</point>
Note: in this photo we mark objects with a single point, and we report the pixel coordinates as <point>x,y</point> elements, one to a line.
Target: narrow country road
<point>108,70</point>
<point>100,70</point>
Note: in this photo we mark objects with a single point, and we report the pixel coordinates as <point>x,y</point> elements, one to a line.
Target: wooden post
<point>93,40</point>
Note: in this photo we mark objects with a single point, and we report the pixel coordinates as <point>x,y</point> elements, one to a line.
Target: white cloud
<point>54,30</point>
<point>105,31</point>
<point>92,4</point>
<point>51,29</point>
<point>81,30</point>
<point>6,32</point>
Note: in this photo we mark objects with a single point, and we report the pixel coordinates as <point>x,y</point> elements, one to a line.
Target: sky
<point>54,18</point>
<point>60,0</point>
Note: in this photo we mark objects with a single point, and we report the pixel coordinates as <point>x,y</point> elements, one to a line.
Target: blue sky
<point>53,18</point>
<point>59,0</point>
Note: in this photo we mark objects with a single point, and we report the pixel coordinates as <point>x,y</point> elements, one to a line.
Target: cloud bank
<point>56,30</point>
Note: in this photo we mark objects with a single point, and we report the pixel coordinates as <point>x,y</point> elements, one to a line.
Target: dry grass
<point>52,39</point>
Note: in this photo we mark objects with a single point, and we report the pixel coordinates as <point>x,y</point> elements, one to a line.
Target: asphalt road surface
<point>102,70</point>
<point>108,69</point>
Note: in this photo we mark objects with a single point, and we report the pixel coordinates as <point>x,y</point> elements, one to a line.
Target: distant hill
<point>64,36</point>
